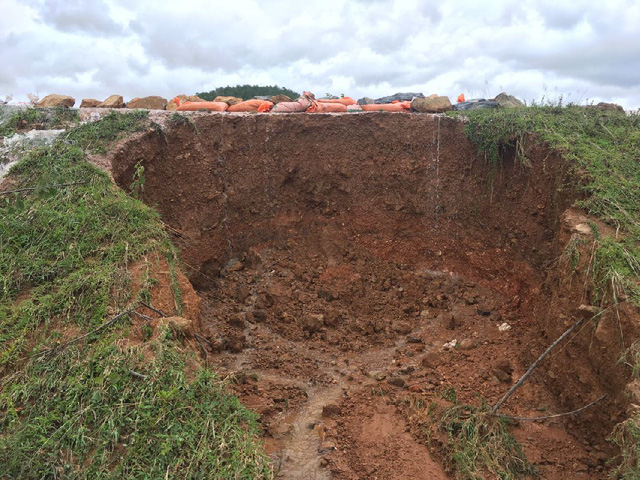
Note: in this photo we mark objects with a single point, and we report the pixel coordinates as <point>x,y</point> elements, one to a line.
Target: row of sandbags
<point>305,103</point>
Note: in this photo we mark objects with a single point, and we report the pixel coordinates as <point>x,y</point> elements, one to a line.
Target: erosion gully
<point>349,265</point>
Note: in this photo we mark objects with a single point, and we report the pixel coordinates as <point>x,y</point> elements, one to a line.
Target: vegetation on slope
<point>476,444</point>
<point>38,118</point>
<point>604,149</point>
<point>100,405</point>
<point>247,92</point>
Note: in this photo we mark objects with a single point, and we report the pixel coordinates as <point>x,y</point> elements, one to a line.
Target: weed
<point>29,118</point>
<point>477,444</point>
<point>138,181</point>
<point>603,148</point>
<point>626,436</point>
<point>177,120</point>
<point>82,413</point>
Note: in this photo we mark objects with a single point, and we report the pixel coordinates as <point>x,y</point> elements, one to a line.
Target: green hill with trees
<point>248,91</point>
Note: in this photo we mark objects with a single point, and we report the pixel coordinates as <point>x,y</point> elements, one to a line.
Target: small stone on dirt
<point>504,327</point>
<point>396,382</point>
<point>377,375</point>
<point>587,312</point>
<point>257,316</point>
<point>403,328</point>
<point>312,322</point>
<point>467,344</point>
<point>234,265</point>
<point>236,321</point>
<point>432,360</point>
<point>331,409</point>
<point>412,339</point>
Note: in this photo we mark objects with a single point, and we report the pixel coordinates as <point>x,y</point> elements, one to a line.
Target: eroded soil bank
<point>337,255</point>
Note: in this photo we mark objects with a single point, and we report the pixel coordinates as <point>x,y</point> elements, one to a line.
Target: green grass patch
<point>603,148</point>
<point>477,445</point>
<point>81,412</point>
<point>45,118</point>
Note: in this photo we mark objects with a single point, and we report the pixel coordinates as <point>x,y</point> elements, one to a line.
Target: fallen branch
<point>556,415</point>
<point>158,311</point>
<point>81,337</point>
<point>517,385</point>
<point>137,375</point>
<point>31,189</point>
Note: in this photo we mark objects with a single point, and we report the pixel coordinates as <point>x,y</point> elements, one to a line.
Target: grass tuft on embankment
<point>104,406</point>
<point>603,147</point>
<point>38,118</point>
<point>475,444</point>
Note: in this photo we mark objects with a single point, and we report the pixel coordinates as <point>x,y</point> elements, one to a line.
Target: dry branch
<point>555,415</point>
<point>517,385</point>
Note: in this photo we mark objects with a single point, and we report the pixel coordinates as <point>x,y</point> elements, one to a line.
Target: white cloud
<point>529,48</point>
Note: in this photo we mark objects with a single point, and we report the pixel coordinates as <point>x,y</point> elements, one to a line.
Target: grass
<point>29,118</point>
<point>476,444</point>
<point>84,412</point>
<point>604,151</point>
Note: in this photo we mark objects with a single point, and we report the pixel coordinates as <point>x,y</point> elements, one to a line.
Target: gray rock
<point>508,101</point>
<point>476,104</point>
<point>366,101</point>
<point>400,96</point>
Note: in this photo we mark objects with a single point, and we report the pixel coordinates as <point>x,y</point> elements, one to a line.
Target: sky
<point>582,51</point>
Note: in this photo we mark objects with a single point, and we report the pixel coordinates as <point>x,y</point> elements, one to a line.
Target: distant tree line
<point>247,92</point>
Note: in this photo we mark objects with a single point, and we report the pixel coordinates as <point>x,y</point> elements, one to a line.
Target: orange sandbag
<point>387,107</point>
<point>265,107</point>
<point>249,106</point>
<point>195,106</point>
<point>461,98</point>
<point>300,105</point>
<point>343,100</point>
<point>326,108</point>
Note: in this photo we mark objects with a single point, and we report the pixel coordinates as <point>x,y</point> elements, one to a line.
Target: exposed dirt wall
<point>409,187</point>
<point>315,237</point>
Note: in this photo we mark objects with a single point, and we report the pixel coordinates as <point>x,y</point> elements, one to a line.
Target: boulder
<point>114,101</point>
<point>607,107</point>
<point>228,100</point>
<point>431,104</point>
<point>148,103</point>
<point>55,100</point>
<point>89,103</point>
<point>400,97</point>
<point>476,104</point>
<point>279,98</point>
<point>366,101</point>
<point>508,101</point>
<point>172,105</point>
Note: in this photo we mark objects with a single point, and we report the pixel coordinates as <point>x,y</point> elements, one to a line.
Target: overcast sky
<point>581,49</point>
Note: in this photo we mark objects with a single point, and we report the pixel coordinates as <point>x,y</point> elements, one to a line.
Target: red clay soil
<point>336,256</point>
